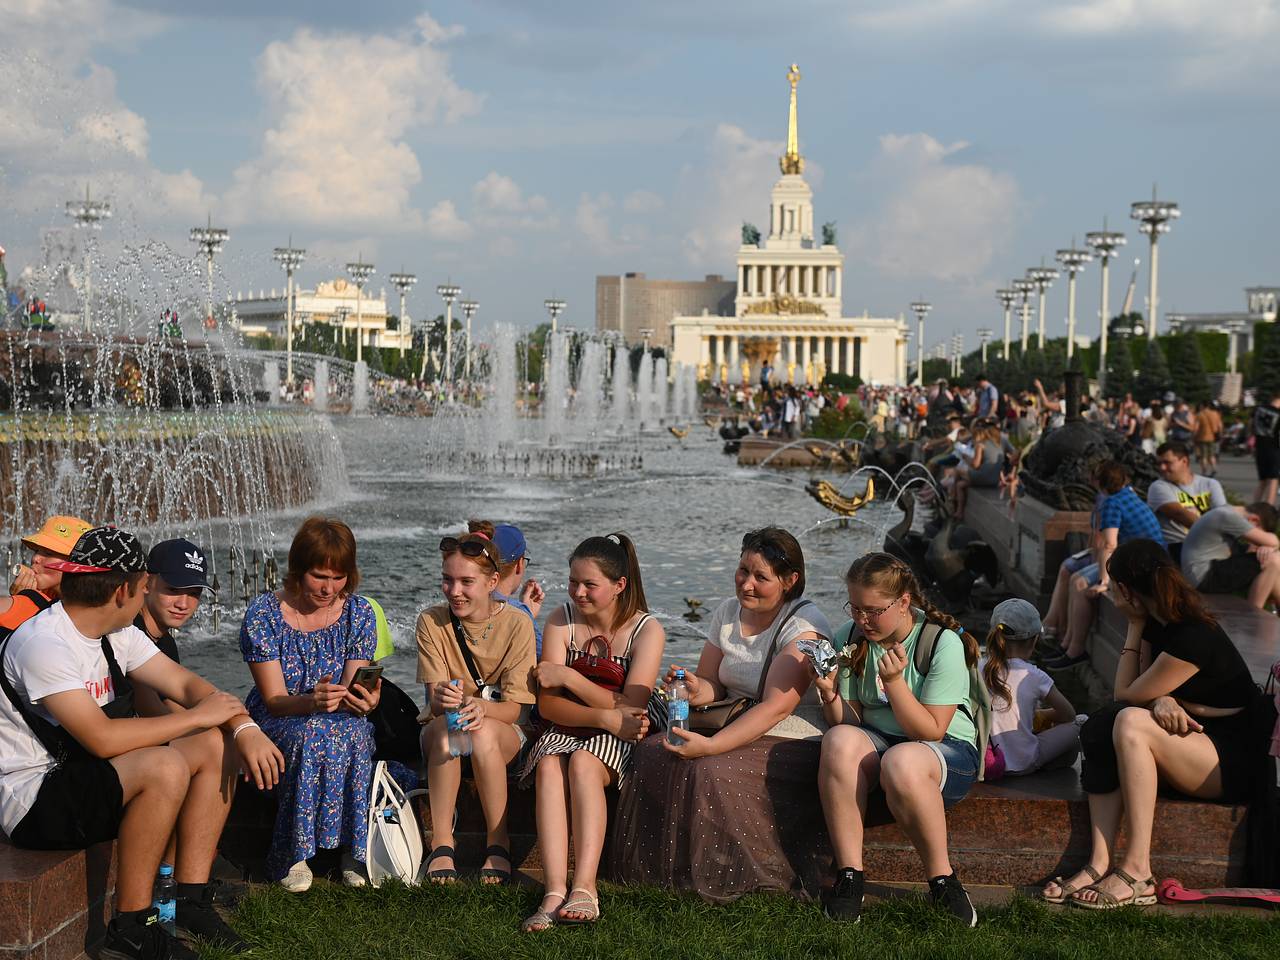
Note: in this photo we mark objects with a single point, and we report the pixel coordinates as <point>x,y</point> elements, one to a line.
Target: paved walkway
<point>1237,475</point>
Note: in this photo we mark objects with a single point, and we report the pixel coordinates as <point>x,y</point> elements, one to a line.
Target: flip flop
<point>442,876</point>
<point>543,919</point>
<point>500,877</point>
<point>1109,901</point>
<point>585,904</point>
<point>1066,893</point>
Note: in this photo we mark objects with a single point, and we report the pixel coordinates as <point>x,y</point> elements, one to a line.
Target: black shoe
<point>844,902</point>
<point>140,937</point>
<point>948,892</point>
<point>198,917</point>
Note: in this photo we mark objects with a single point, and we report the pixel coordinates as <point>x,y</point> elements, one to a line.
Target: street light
<point>1006,298</point>
<point>469,308</point>
<point>921,309</point>
<point>1104,244</point>
<point>646,334</point>
<point>984,334</point>
<point>360,273</point>
<point>290,258</point>
<point>555,307</point>
<point>1154,216</point>
<point>448,292</point>
<point>1073,260</point>
<point>403,282</point>
<point>1234,329</point>
<point>89,214</point>
<point>210,240</point>
<point>1024,289</point>
<point>1043,278</point>
<point>340,315</point>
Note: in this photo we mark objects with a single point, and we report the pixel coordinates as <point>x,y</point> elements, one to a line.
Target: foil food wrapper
<point>821,654</point>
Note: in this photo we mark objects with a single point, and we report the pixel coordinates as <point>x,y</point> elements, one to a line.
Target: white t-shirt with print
<point>45,656</point>
<point>743,656</point>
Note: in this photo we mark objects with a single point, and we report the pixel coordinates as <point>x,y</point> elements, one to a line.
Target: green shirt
<point>947,682</point>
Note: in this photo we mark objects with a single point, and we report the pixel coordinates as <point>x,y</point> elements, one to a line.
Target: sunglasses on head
<point>756,542</point>
<point>475,549</point>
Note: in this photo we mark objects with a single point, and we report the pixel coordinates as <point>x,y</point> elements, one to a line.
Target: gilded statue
<point>791,162</point>
<point>784,304</point>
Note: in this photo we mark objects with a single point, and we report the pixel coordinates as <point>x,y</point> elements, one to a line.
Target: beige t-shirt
<point>505,658</point>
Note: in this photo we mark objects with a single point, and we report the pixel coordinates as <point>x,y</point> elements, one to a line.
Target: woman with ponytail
<point>595,728</point>
<point>891,726</point>
<point>1181,720</point>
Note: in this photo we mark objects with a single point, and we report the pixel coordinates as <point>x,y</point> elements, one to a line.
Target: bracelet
<point>1130,650</point>
<point>244,726</point>
<point>825,701</point>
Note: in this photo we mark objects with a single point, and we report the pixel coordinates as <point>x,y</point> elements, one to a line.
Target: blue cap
<point>179,563</point>
<point>509,541</point>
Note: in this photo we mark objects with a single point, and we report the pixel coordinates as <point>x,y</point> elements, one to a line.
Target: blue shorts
<point>1078,561</point>
<point>958,760</point>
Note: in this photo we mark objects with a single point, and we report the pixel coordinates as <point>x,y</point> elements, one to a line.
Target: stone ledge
<point>54,904</point>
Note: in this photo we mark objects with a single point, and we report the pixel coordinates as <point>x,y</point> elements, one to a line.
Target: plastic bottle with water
<point>459,739</point>
<point>677,708</point>
<point>166,890</point>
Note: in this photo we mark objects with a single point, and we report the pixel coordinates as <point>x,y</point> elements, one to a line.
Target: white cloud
<point>443,223</point>
<point>501,194</point>
<point>592,220</point>
<point>940,218</point>
<point>729,185</point>
<point>341,106</point>
<point>1239,20</point>
<point>642,201</point>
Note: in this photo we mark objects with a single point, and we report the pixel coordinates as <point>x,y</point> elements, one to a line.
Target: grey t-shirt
<point>1212,537</point>
<point>1203,493</point>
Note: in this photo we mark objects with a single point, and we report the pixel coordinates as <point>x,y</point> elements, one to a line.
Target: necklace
<point>488,625</point>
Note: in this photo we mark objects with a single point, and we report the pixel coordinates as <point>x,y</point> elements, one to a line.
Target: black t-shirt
<point>1266,423</point>
<point>1223,678</point>
<point>168,646</point>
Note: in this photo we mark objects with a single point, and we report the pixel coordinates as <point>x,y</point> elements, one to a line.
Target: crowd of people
<point>105,735</point>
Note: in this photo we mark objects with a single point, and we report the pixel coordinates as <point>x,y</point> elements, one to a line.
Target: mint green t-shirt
<point>946,683</point>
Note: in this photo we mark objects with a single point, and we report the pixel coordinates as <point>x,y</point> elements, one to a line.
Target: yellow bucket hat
<point>58,535</point>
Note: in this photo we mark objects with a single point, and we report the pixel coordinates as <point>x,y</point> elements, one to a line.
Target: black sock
<point>190,891</point>
<point>133,918</point>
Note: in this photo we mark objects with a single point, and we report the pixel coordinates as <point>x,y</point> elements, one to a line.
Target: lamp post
<point>210,240</point>
<point>1006,298</point>
<point>469,308</point>
<point>984,334</point>
<point>1154,216</point>
<point>921,309</point>
<point>1073,260</point>
<point>1104,244</point>
<point>89,214</point>
<point>404,282</point>
<point>1024,289</point>
<point>646,334</point>
<point>1234,329</point>
<point>289,257</point>
<point>360,272</point>
<point>1043,278</point>
<point>555,307</point>
<point>340,315</point>
<point>448,292</point>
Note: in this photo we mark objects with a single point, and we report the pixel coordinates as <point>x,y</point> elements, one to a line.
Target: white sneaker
<point>353,872</point>
<point>298,879</point>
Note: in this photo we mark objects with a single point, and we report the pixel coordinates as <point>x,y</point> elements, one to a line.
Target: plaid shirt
<point>1129,514</point>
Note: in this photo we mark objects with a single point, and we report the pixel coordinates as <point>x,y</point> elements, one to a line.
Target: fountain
<point>620,388</point>
<point>588,396</point>
<point>644,392</point>
<point>271,383</point>
<point>555,395</point>
<point>360,388</point>
<point>660,391</point>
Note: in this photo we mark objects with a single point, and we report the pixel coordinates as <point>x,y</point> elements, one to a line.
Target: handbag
<point>710,718</point>
<point>600,670</point>
<point>396,731</point>
<point>393,848</point>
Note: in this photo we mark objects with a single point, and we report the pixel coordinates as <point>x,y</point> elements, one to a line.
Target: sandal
<point>442,876</point>
<point>585,904</point>
<point>543,919</point>
<point>499,877</point>
<point>1109,901</point>
<point>1064,893</point>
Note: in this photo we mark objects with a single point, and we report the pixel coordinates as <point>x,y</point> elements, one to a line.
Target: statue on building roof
<point>791,162</point>
<point>750,235</point>
<point>829,233</point>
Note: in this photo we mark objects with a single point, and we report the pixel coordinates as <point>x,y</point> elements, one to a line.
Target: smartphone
<point>367,677</point>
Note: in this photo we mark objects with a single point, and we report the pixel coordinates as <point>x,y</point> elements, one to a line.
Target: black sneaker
<point>949,893</point>
<point>844,902</point>
<point>199,917</point>
<point>134,937</point>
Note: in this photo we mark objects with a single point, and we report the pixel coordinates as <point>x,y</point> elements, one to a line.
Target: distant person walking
<point>1266,447</point>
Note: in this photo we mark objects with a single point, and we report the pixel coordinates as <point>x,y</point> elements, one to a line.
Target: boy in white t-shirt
<point>78,768</point>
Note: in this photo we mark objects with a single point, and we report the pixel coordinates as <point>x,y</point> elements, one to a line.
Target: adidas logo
<point>194,562</point>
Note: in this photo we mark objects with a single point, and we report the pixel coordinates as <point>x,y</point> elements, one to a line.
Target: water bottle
<point>166,890</point>
<point>677,708</point>
<point>459,739</point>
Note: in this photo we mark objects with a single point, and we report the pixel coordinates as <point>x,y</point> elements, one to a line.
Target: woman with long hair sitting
<point>1181,719</point>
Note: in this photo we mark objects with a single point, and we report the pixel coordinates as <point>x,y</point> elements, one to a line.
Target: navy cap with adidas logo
<point>179,563</point>
<point>103,550</point>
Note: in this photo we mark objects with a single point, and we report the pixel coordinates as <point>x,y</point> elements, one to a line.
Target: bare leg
<point>847,771</point>
<point>1056,618</point>
<point>1079,616</point>
<point>444,776</point>
<point>912,779</point>
<point>493,746</point>
<point>588,778</point>
<point>1105,810</point>
<point>212,762</point>
<point>154,782</point>
<point>1266,585</point>
<point>552,805</point>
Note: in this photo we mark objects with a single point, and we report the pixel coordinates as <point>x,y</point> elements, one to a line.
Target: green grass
<point>468,921</point>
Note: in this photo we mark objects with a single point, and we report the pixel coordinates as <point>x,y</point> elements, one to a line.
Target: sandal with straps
<point>544,919</point>
<point>586,904</point>
<point>1109,901</point>
<point>499,877</point>
<point>449,875</point>
<point>1065,892</point>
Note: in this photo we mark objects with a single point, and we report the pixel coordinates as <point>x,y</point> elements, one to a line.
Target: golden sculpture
<point>830,497</point>
<point>783,304</point>
<point>791,161</point>
<point>679,432</point>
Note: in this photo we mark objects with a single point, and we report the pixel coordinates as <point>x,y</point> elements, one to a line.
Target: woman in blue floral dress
<point>303,645</point>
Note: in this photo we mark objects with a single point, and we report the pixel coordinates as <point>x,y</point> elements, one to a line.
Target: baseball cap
<point>58,535</point>
<point>509,541</point>
<point>179,563</point>
<point>103,550</point>
<point>1018,617</point>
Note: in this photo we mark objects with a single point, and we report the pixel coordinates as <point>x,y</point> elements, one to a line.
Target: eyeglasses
<point>475,549</point>
<point>756,542</point>
<point>867,613</point>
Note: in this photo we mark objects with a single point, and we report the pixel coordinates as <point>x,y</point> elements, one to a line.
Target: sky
<point>521,148</point>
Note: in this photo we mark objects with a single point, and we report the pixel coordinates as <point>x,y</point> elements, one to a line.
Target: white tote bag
<point>393,849</point>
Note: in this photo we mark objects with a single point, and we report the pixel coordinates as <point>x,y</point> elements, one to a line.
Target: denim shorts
<point>958,760</point>
<point>1078,561</point>
<point>1090,572</point>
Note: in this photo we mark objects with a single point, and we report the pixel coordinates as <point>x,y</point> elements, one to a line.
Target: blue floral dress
<point>328,758</point>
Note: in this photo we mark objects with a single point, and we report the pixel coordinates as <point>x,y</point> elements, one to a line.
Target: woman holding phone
<point>304,644</point>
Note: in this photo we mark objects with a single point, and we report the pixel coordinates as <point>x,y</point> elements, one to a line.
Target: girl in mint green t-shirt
<point>911,735</point>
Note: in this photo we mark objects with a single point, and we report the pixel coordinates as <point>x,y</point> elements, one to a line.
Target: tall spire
<point>791,161</point>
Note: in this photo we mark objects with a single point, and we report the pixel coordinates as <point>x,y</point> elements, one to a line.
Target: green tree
<point>1153,378</point>
<point>1186,366</point>
<point>1119,369</point>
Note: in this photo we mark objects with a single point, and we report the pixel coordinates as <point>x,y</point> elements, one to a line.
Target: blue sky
<point>522,148</point>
